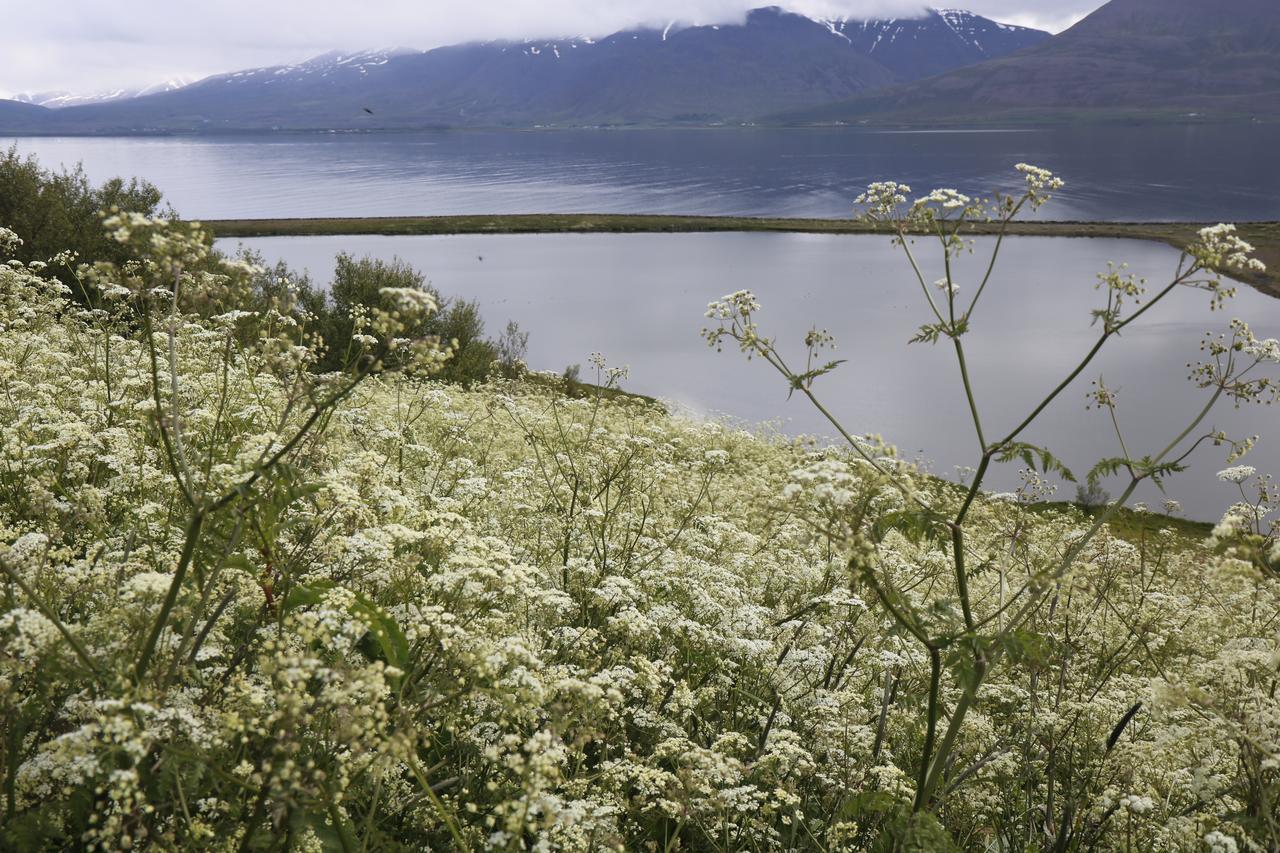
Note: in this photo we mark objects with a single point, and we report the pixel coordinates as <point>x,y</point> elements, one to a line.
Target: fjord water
<point>1113,172</point>
<point>640,298</point>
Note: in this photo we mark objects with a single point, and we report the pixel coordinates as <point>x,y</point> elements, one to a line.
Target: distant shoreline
<point>994,122</point>
<point>1265,236</point>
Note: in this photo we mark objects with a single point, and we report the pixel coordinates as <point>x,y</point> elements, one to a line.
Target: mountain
<point>1130,58</point>
<point>773,61</point>
<point>59,99</point>
<point>941,40</point>
<point>18,114</point>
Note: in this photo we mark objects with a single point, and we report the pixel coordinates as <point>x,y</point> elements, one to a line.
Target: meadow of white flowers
<point>249,607</point>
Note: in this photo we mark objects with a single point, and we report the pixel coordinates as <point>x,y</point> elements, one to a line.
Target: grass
<point>1134,526</point>
<point>577,389</point>
<point>1263,235</point>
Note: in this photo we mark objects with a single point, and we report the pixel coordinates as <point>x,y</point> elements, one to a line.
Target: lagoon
<point>639,299</point>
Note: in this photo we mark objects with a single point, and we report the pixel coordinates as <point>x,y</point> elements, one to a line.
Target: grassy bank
<point>1264,235</point>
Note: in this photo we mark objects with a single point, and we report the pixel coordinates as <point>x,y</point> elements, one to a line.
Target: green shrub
<point>55,212</point>
<point>356,287</point>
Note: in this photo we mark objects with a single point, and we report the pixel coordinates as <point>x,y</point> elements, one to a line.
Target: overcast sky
<point>88,46</point>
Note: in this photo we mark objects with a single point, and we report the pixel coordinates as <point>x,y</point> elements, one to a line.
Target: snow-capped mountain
<point>679,73</point>
<point>938,41</point>
<point>59,99</point>
<point>1171,59</point>
<point>336,64</point>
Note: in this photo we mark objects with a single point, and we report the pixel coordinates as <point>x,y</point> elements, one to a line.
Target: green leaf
<point>916,525</point>
<point>929,333</point>
<point>1120,726</point>
<point>1109,467</point>
<point>241,563</point>
<point>307,595</point>
<point>804,380</point>
<point>1035,458</point>
<point>385,631</point>
<point>1027,648</point>
<point>390,643</point>
<point>1158,472</point>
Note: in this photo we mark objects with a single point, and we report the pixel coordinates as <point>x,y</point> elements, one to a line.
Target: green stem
<point>995,254</point>
<point>48,613</point>
<point>931,727</point>
<point>171,597</point>
<point>968,393</point>
<point>924,798</point>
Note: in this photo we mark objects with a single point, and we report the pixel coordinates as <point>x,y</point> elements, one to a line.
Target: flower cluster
<point>1041,183</point>
<point>883,199</point>
<point>245,606</point>
<point>1220,247</point>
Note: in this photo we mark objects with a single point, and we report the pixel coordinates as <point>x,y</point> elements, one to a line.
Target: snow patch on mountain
<point>59,99</point>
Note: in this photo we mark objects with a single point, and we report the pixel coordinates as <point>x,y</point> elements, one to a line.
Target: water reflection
<point>1121,173</point>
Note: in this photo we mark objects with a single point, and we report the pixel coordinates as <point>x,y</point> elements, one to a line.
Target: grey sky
<point>90,46</point>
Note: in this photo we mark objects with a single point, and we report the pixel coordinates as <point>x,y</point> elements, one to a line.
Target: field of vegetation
<point>270,583</point>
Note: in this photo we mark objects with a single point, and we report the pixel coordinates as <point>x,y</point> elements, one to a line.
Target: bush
<point>55,212</point>
<point>60,214</point>
<point>513,348</point>
<point>1091,496</point>
<point>356,290</point>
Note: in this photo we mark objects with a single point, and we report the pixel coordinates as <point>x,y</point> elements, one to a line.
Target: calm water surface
<point>640,299</point>
<point>1117,173</point>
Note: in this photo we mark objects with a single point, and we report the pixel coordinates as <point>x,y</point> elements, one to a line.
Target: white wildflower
<point>1219,843</point>
<point>1136,805</point>
<point>1237,474</point>
<point>1220,246</point>
<point>9,241</point>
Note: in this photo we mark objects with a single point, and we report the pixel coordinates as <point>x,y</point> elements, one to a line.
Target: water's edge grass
<point>1265,236</point>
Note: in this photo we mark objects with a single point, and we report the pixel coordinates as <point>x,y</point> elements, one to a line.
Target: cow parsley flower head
<point>735,313</point>
<point>27,549</point>
<point>882,199</point>
<point>1267,350</point>
<point>1136,805</point>
<point>1232,524</point>
<point>1237,474</point>
<point>9,241</point>
<point>1219,843</point>
<point>1220,246</point>
<point>410,300</point>
<point>740,303</point>
<point>939,203</point>
<point>1041,183</point>
<point>1039,179</point>
<point>27,633</point>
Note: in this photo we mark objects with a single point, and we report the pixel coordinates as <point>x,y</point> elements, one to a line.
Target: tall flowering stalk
<point>966,652</point>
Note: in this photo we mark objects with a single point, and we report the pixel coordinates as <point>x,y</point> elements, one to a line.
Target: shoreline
<point>1265,236</point>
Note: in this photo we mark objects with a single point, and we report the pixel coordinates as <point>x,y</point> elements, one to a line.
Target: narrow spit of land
<point>1265,236</point>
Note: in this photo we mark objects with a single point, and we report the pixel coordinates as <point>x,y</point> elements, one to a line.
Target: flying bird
<point>366,109</point>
